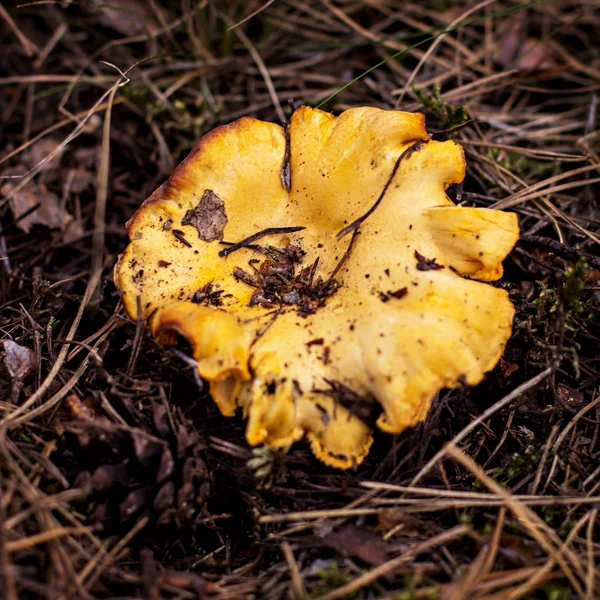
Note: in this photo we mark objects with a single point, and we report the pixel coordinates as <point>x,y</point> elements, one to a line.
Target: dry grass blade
<point>551,190</point>
<point>318,514</point>
<point>435,44</point>
<point>41,538</point>
<point>11,419</point>
<point>298,587</point>
<point>89,575</point>
<point>119,478</point>
<point>592,570</point>
<point>527,518</point>
<point>29,47</point>
<point>251,15</point>
<point>524,387</point>
<point>263,70</point>
<point>533,582</point>
<point>97,260</point>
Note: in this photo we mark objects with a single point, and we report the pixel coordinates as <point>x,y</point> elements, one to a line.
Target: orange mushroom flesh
<point>324,280</point>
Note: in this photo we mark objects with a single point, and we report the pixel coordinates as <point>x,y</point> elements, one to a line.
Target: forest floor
<point>495,495</point>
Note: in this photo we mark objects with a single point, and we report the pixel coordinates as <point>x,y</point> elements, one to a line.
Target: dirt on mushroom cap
<point>397,316</point>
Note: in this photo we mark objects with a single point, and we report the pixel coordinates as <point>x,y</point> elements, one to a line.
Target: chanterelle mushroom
<point>322,276</point>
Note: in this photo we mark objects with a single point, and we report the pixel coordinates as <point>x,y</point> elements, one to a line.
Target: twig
<point>42,538</point>
<point>562,250</point>
<point>257,236</point>
<point>341,262</point>
<point>414,147</point>
<point>29,47</point>
<point>298,587</point>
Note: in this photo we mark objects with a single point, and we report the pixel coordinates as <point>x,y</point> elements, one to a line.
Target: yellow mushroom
<point>323,278</point>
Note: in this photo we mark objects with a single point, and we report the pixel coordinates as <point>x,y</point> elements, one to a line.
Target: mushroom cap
<point>310,332</point>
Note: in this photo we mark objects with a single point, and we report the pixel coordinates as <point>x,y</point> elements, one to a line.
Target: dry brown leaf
<point>19,364</point>
<point>519,51</point>
<point>359,542</point>
<point>45,206</point>
<point>129,17</point>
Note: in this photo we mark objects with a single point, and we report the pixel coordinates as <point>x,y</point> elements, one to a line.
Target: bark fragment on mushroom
<point>350,287</point>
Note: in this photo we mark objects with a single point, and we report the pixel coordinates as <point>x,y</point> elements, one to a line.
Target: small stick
<point>343,259</point>
<point>256,236</point>
<point>562,250</point>
<point>358,222</point>
<point>299,591</point>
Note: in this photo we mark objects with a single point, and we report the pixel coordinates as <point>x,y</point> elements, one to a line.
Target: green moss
<point>430,592</point>
<point>53,323</point>
<point>24,437</point>
<point>552,591</point>
<point>447,114</point>
<point>557,517</point>
<point>574,286</point>
<point>413,587</point>
<point>572,293</point>
<point>518,465</point>
<point>332,578</point>
<point>465,519</point>
<point>577,303</point>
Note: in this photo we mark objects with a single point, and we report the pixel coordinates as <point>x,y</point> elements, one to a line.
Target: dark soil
<point>118,475</point>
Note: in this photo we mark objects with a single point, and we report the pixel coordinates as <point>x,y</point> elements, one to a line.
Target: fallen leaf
<point>508,368</point>
<point>569,395</point>
<point>80,179</point>
<point>79,409</point>
<point>526,53</point>
<point>19,363</point>
<point>36,155</point>
<point>208,217</point>
<point>44,207</point>
<point>129,17</point>
<point>515,550</point>
<point>412,525</point>
<point>359,542</point>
